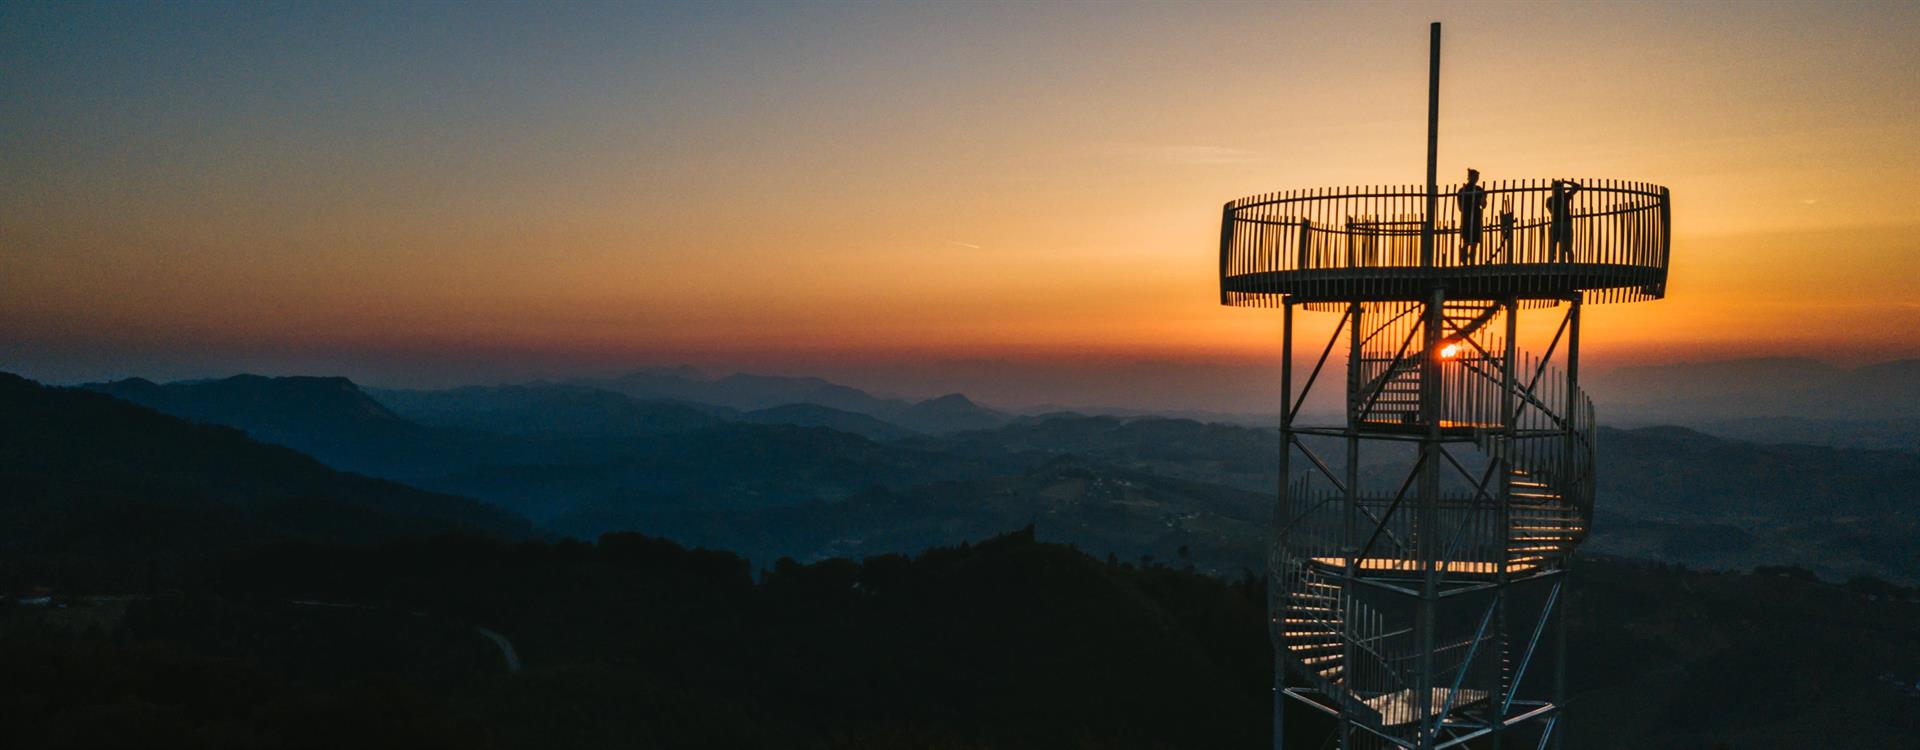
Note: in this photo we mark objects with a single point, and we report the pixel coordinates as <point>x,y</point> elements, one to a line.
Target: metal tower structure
<point>1417,589</point>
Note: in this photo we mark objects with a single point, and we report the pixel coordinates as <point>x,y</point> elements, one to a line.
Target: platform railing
<point>1270,244</point>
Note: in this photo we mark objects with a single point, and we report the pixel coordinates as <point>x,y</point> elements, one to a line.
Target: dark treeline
<point>638,642</point>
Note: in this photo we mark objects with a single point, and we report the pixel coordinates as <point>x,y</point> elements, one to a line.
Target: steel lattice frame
<point>1421,617</point>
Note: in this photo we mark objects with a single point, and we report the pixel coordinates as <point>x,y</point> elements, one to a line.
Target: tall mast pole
<point>1426,520</point>
<point>1433,144</point>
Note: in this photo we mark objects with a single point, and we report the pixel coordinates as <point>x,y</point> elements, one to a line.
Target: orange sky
<point>396,193</point>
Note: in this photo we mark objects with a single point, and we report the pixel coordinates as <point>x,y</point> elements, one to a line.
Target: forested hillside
<point>1009,643</point>
<point>91,480</point>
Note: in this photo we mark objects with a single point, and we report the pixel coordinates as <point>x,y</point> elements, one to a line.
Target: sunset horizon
<point>193,200</point>
<point>975,375</point>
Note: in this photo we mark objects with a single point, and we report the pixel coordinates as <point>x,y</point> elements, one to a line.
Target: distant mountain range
<point>551,411</point>
<point>949,413</point>
<point>1775,400</point>
<point>89,475</point>
<point>329,418</point>
<point>1100,508</point>
<point>815,415</point>
<point>813,480</point>
<point>551,450</point>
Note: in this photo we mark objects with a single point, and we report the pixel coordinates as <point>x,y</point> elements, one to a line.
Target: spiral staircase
<point>1529,508</point>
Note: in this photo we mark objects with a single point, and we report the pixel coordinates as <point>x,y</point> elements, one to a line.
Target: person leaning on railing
<point>1473,201</point>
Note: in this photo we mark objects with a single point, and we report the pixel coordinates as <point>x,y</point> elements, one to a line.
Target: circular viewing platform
<point>1606,239</point>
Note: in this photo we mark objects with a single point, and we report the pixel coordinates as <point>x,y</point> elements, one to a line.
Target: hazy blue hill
<point>743,391</point>
<point>1771,399</point>
<point>750,392</point>
<point>950,413</point>
<point>264,405</point>
<point>1871,434</point>
<point>1884,389</point>
<point>681,382</point>
<point>1901,374</point>
<point>815,415</point>
<point>1102,509</point>
<point>729,468</point>
<point>551,450</point>
<point>1714,476</point>
<point>548,411</point>
<point>1181,448</point>
<point>1665,493</point>
<point>89,474</point>
<point>1670,493</point>
<point>1711,379</point>
<point>329,418</point>
<point>588,461</point>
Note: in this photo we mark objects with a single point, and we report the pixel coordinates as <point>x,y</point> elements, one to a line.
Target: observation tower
<point>1417,586</point>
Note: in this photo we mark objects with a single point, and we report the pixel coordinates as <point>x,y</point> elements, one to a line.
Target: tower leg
<point>1427,527</point>
<point>1276,586</point>
<point>1503,461</point>
<point>1279,703</point>
<point>1352,509</point>
<point>1575,402</point>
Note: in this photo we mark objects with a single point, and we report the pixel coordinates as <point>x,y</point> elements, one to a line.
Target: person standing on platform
<point>1560,227</point>
<point>1506,228</point>
<point>1473,202</point>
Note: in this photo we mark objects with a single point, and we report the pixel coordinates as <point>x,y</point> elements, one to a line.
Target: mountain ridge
<point>92,472</point>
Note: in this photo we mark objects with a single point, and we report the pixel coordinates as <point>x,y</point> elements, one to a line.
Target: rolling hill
<point>91,476</point>
<point>549,411</point>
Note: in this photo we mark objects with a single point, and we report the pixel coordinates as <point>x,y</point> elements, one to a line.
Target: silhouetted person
<point>1506,227</point>
<point>1560,229</point>
<point>1306,228</point>
<point>1473,201</point>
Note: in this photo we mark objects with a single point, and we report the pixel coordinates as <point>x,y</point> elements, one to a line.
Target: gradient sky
<point>449,193</point>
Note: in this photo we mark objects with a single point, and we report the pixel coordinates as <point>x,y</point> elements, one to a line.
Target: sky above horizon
<point>458,193</point>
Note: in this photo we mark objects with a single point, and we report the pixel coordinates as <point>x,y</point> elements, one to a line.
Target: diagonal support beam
<point>1301,401</point>
<point>1533,643</point>
<point>1548,357</point>
<point>1380,523</point>
<point>1479,637</point>
<point>1319,464</point>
